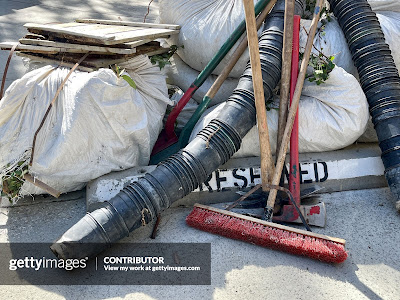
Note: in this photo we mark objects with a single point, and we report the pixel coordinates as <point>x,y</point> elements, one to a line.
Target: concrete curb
<point>356,167</point>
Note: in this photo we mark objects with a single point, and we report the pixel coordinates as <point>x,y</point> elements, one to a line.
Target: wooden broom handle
<point>267,165</point>
<point>295,104</point>
<point>286,70</point>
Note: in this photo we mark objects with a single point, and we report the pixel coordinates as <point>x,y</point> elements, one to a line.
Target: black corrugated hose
<point>379,78</point>
<point>140,202</point>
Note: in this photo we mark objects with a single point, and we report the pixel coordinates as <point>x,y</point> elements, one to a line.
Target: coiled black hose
<point>379,78</point>
<point>140,202</point>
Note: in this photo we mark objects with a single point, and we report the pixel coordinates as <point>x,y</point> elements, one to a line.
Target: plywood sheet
<point>99,33</point>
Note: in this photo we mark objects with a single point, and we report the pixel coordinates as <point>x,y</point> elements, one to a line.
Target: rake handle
<point>293,109</point>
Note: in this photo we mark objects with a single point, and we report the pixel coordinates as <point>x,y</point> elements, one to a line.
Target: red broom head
<point>260,233</point>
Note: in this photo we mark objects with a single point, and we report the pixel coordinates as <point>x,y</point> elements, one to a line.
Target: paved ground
<point>366,218</point>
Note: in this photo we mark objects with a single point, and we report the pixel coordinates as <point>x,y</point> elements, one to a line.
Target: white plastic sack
<point>390,23</point>
<point>182,75</point>
<point>385,5</point>
<point>331,116</point>
<point>98,124</point>
<point>333,41</point>
<point>205,26</point>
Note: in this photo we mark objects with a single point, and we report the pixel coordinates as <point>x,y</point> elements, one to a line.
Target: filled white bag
<point>331,116</point>
<point>98,124</point>
<point>331,42</point>
<point>205,26</point>
<point>180,74</point>
<point>390,23</point>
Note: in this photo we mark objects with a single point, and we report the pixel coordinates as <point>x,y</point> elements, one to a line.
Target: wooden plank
<point>96,62</point>
<point>67,38</point>
<point>124,37</point>
<point>51,61</point>
<point>135,44</point>
<point>90,30</point>
<point>29,48</point>
<point>65,25</point>
<point>34,36</point>
<point>56,29</point>
<point>104,63</point>
<point>99,30</point>
<point>127,23</point>
<point>97,33</point>
<point>55,49</point>
<point>80,48</point>
<point>272,225</point>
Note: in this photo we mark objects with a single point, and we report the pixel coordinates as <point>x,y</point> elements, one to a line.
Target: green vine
<point>164,59</point>
<point>12,182</point>
<point>322,65</point>
<point>117,70</point>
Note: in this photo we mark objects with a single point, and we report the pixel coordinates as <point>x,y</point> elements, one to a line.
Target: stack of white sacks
<point>332,115</point>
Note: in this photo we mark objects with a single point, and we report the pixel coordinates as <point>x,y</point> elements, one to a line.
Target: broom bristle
<point>266,236</point>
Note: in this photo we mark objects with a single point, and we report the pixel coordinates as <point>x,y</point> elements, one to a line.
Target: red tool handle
<point>294,174</point>
<point>170,124</point>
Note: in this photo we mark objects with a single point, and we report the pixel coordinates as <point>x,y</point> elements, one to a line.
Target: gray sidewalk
<point>365,218</point>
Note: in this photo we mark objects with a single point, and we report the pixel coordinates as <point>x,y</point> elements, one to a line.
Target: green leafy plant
<point>322,66</point>
<point>117,70</point>
<point>12,182</point>
<point>164,59</point>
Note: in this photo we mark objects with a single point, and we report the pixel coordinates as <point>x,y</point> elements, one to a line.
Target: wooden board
<point>51,61</point>
<point>104,63</point>
<point>95,61</point>
<point>29,48</point>
<point>135,44</point>
<point>127,23</point>
<point>34,36</point>
<point>77,48</point>
<point>98,33</point>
